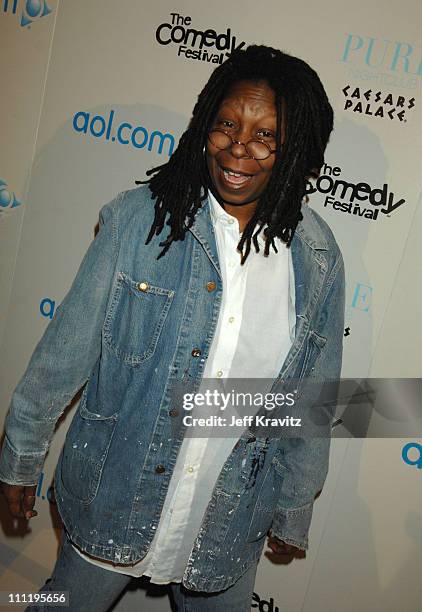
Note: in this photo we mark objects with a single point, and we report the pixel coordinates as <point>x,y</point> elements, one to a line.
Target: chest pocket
<point>135,318</point>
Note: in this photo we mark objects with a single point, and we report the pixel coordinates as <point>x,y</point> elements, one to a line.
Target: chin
<point>230,196</point>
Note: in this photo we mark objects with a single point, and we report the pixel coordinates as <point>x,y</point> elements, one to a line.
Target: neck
<point>242,213</point>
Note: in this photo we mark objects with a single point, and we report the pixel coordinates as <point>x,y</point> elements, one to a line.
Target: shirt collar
<point>216,210</point>
<point>219,215</point>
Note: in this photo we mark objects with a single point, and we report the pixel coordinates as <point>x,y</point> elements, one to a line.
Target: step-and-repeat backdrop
<point>94,94</point>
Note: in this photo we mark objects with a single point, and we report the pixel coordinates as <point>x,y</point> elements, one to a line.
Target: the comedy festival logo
<point>377,103</point>
<point>361,200</point>
<point>385,64</point>
<point>8,200</point>
<point>205,44</point>
<point>27,10</point>
<point>263,605</point>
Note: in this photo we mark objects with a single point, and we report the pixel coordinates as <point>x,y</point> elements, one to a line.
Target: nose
<point>238,149</point>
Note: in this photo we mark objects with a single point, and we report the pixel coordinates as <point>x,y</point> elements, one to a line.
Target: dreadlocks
<point>179,186</point>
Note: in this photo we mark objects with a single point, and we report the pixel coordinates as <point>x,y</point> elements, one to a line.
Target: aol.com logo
<point>31,10</point>
<point>8,200</point>
<point>412,454</point>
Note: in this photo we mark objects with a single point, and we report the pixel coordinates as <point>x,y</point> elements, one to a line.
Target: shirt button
<point>196,352</point>
<point>173,412</point>
<point>160,469</point>
<point>231,319</point>
<point>220,373</point>
<point>231,221</point>
<point>211,286</point>
<point>190,469</point>
<point>143,286</point>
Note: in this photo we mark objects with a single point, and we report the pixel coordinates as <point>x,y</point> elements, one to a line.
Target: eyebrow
<point>236,104</point>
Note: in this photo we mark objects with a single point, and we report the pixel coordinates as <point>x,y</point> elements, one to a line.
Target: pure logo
<point>394,56</point>
<point>377,103</point>
<point>358,199</point>
<point>382,63</point>
<point>204,45</point>
<point>8,200</point>
<point>31,10</point>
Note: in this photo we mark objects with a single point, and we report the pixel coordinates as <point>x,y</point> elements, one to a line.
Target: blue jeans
<point>94,588</point>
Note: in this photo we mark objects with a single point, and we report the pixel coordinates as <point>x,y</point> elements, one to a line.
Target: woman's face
<point>247,112</point>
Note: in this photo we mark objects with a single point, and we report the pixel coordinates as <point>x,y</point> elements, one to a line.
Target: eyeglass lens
<point>254,148</point>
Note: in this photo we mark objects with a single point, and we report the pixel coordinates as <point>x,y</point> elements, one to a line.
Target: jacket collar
<point>203,230</point>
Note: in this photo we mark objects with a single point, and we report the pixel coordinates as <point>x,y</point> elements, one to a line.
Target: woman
<point>215,269</point>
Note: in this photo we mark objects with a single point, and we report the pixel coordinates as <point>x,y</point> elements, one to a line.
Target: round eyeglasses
<point>255,149</point>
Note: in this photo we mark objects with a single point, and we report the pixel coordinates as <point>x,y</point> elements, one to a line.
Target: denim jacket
<point>131,327</point>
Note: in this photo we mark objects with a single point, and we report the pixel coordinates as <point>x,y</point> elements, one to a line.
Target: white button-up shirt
<point>254,333</point>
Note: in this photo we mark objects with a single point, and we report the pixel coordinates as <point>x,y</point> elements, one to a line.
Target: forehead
<point>255,96</point>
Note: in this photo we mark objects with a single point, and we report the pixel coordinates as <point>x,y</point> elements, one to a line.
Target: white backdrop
<point>72,73</point>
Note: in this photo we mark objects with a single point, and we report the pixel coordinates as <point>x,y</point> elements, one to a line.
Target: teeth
<point>235,174</point>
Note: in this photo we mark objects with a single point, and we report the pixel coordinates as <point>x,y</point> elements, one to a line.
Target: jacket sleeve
<point>305,460</point>
<point>62,360</point>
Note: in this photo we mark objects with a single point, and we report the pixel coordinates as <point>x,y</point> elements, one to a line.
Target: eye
<point>225,123</point>
<point>265,134</point>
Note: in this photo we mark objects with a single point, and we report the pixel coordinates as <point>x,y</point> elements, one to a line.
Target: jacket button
<point>196,352</point>
<point>211,286</point>
<point>173,412</point>
<point>143,286</point>
<point>160,468</point>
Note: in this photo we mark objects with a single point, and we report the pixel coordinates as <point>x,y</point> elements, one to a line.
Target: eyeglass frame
<point>271,151</point>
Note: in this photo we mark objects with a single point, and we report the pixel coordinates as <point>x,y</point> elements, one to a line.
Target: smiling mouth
<point>235,179</point>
